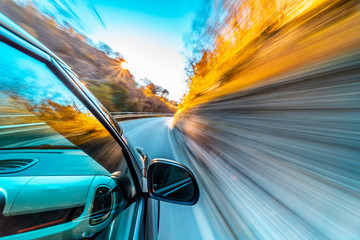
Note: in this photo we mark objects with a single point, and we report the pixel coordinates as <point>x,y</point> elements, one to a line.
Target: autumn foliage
<point>97,65</point>
<point>237,45</point>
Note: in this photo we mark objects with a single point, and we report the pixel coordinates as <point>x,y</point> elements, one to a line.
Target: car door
<point>64,171</point>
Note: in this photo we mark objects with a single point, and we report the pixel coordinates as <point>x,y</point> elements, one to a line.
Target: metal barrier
<point>130,115</point>
<point>11,129</point>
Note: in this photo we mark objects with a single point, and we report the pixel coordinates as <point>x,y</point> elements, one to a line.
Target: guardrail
<point>10,129</point>
<point>133,115</point>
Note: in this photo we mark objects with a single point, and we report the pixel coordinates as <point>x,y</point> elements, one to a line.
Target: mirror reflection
<point>172,182</point>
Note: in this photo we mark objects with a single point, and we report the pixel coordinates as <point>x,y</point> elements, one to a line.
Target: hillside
<point>99,72</point>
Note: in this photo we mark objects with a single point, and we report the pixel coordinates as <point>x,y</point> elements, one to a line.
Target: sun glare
<point>125,65</point>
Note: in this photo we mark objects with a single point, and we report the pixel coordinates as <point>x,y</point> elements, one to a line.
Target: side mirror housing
<point>171,181</point>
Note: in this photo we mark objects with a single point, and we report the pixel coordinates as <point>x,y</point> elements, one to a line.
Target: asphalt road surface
<point>176,221</point>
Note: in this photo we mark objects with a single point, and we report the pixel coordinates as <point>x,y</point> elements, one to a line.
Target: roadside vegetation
<point>97,64</point>
<point>237,45</point>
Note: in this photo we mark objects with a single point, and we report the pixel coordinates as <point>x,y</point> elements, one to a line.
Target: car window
<point>111,119</point>
<point>39,112</point>
<point>96,102</point>
<point>56,159</point>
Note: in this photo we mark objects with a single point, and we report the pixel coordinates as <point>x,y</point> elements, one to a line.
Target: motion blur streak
<point>242,44</point>
<point>282,161</point>
<point>271,123</point>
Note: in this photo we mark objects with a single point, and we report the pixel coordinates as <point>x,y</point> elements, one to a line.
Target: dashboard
<point>55,197</point>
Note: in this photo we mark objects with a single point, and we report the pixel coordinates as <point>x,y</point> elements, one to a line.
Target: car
<point>66,170</point>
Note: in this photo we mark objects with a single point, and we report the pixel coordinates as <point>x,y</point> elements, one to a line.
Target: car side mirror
<point>171,181</point>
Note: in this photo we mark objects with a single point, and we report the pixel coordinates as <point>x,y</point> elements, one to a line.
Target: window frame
<point>56,66</point>
<point>13,40</point>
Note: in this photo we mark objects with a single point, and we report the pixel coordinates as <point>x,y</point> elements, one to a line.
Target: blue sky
<point>149,34</point>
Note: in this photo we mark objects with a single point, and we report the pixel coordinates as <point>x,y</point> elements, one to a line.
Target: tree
<point>105,48</point>
<point>164,93</point>
<point>146,81</point>
<point>152,88</point>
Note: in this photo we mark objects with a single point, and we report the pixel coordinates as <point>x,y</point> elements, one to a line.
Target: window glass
<point>37,111</point>
<point>95,101</point>
<point>56,160</point>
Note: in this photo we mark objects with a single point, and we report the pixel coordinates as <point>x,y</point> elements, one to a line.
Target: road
<point>278,161</point>
<point>176,221</point>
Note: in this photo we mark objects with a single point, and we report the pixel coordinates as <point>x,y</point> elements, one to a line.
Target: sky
<point>149,34</point>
